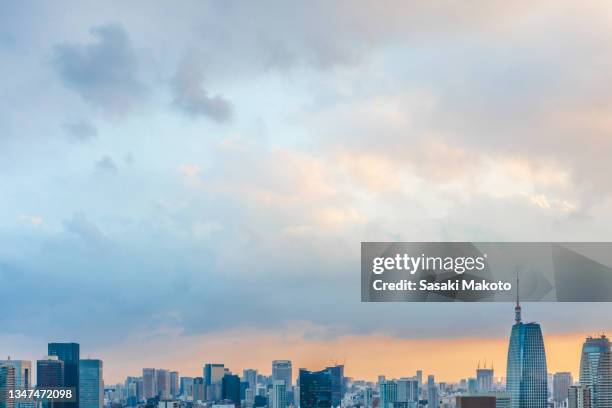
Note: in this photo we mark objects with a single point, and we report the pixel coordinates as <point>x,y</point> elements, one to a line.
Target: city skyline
<point>200,192</point>
<point>362,368</point>
<point>528,383</point>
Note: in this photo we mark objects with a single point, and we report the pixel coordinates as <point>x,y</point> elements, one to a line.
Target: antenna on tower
<point>517,308</point>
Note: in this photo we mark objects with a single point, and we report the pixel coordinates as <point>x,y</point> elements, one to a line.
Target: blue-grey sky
<point>197,168</point>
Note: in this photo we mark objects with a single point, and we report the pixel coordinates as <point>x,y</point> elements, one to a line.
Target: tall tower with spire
<point>526,374</point>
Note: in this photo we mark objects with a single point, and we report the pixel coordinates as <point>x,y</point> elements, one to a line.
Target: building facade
<point>526,373</point>
<point>591,375</point>
<point>282,370</point>
<point>91,384</point>
<point>387,392</point>
<point>561,384</point>
<point>23,372</point>
<point>7,384</point>
<point>69,354</point>
<point>579,396</point>
<point>315,389</point>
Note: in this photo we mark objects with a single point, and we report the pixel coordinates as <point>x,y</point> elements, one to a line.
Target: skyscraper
<point>281,370</point>
<point>484,378</point>
<point>186,387</point>
<point>433,400</point>
<point>561,384</point>
<point>149,383</point>
<point>472,385</point>
<point>213,374</point>
<point>591,376</point>
<point>250,375</point>
<point>163,383</point>
<point>368,397</point>
<point>91,384</point>
<point>579,396</point>
<point>7,383</point>
<point>49,372</point>
<point>23,372</point>
<point>69,353</point>
<point>230,388</point>
<point>408,391</point>
<point>132,390</point>
<point>603,388</point>
<point>337,384</point>
<point>199,389</point>
<point>315,389</point>
<point>388,394</point>
<point>278,398</point>
<point>174,384</point>
<point>526,375</point>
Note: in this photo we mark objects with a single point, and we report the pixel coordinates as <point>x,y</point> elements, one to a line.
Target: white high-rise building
<point>278,396</point>
<point>408,391</point>
<point>484,380</point>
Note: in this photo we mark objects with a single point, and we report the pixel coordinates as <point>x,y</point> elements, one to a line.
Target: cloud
<point>35,220</point>
<point>193,99</point>
<point>80,131</point>
<point>190,170</point>
<point>80,225</point>
<point>394,122</point>
<point>104,72</point>
<point>106,165</point>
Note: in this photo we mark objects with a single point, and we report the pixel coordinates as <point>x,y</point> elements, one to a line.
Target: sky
<point>190,182</point>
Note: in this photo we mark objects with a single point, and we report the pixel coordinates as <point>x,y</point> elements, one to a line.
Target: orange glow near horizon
<point>365,357</point>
